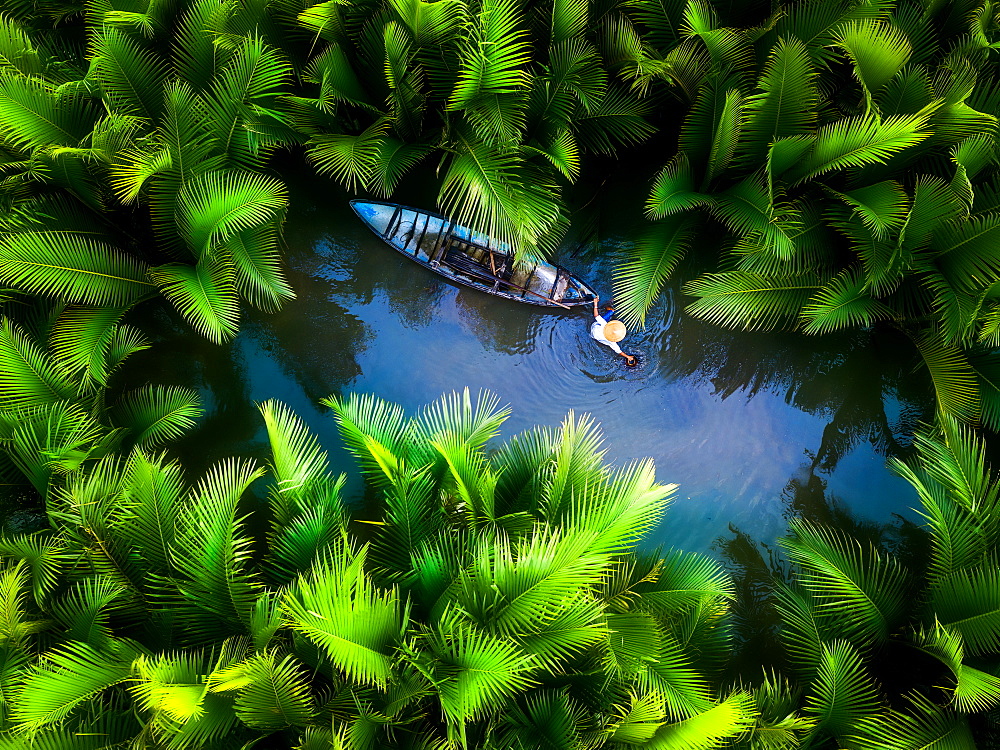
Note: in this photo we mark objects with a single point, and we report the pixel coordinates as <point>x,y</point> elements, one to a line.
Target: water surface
<point>742,422</point>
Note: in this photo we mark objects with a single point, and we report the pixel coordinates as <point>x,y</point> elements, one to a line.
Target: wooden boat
<point>471,258</point>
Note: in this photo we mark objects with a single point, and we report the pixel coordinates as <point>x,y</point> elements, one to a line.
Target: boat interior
<point>457,251</point>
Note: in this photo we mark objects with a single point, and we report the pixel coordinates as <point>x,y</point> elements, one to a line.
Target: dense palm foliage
<point>849,151</point>
<point>500,601</point>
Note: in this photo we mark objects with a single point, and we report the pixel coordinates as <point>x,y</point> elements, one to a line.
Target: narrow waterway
<point>753,427</point>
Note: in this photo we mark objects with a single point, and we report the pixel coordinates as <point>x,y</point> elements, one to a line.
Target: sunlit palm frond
<point>67,677</point>
<point>151,504</point>
<point>786,104</point>
<point>974,691</point>
<point>842,302</point>
<point>256,264</point>
<point>638,281</point>
<point>278,694</point>
<point>727,720</point>
<point>17,51</point>
<point>751,301</point>
<point>968,602</point>
<point>673,190</point>
<point>859,141</point>
<point>375,431</point>
<point>842,693</point>
<point>217,205</point>
<point>82,340</point>
<point>34,116</point>
<point>215,590</point>
<point>72,267</point>
<point>336,606</point>
<point>878,51</point>
<point>924,725</point>
<point>954,379</point>
<point>494,55</point>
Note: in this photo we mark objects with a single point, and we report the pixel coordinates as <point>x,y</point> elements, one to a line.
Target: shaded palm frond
<point>158,414</point>
<point>204,294</point>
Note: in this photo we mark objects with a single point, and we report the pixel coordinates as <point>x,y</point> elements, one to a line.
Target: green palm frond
<point>151,504</point>
<point>638,281</point>
<point>864,589</point>
<point>966,251</point>
<point>569,19</point>
<point>552,719</point>
<point>975,691</point>
<point>336,606</point>
<point>131,78</point>
<point>67,677</point>
<point>673,190</point>
<point>499,194</point>
<point>882,207</point>
<point>672,675</point>
<point>204,294</point>
<point>413,514</point>
<point>727,720</point>
<point>28,375</point>
<point>33,115</point>
<point>17,51</point>
<point>858,141</point>
<point>46,558</point>
<point>430,23</point>
<point>878,51</point>
<point>15,626</point>
<point>748,210</point>
<point>456,417</point>
<point>277,694</point>
<point>351,159</point>
<point>494,55</point>
<point>617,120</point>
<point>786,104</point>
<point>375,431</point>
<point>72,267</point>
<point>680,580</point>
<point>726,136</point>
<point>47,440</point>
<point>968,602</point>
<point>394,159</point>
<point>842,694</point>
<point>297,460</point>
<point>256,262</point>
<point>157,414</point>
<point>245,85</point>
<point>749,301</point>
<point>217,205</point>
<point>842,302</point>
<point>471,671</point>
<point>85,609</point>
<point>83,338</point>
<point>926,725</point>
<point>215,591</point>
<point>954,379</point>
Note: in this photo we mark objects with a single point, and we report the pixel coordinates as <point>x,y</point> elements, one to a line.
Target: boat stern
<point>376,215</point>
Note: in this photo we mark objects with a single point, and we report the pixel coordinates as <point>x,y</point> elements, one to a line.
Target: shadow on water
<point>731,417</point>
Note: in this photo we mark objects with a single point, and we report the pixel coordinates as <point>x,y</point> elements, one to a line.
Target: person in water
<point>609,332</point>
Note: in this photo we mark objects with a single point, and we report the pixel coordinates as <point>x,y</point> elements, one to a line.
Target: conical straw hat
<point>614,331</point>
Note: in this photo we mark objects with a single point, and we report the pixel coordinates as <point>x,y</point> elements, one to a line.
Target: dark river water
<point>752,427</point>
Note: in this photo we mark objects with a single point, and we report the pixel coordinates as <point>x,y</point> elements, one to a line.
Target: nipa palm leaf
<point>157,414</point>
